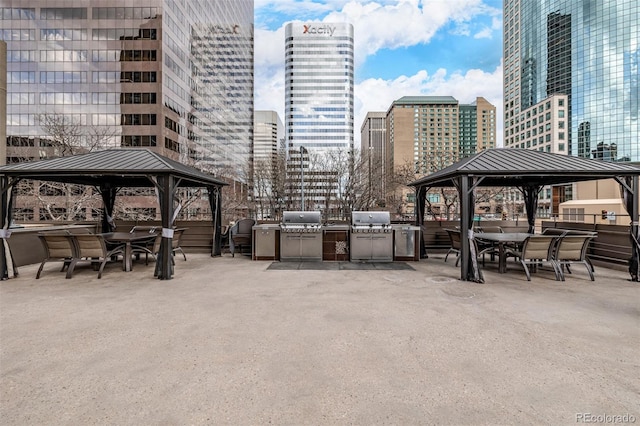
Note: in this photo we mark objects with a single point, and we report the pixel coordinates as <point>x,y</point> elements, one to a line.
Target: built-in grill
<point>371,237</point>
<point>301,236</point>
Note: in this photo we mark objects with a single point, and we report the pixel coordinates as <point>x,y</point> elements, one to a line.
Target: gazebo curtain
<point>7,266</point>
<point>108,194</point>
<point>215,198</point>
<point>421,198</point>
<point>530,194</point>
<point>629,189</point>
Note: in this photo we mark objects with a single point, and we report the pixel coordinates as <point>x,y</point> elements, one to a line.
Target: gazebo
<point>108,171</point>
<point>529,171</point>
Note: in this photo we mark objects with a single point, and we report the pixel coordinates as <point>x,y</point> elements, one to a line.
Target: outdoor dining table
<point>127,238</point>
<point>502,239</point>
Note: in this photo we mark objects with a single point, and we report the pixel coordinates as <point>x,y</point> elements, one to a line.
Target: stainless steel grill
<point>301,236</point>
<point>371,237</point>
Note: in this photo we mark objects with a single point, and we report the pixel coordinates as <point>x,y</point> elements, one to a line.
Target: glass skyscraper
<point>584,53</point>
<point>172,76</point>
<point>319,84</point>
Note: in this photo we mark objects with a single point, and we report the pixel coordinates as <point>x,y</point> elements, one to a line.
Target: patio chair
<point>241,235</point>
<point>154,247</point>
<point>59,247</point>
<point>175,242</point>
<point>144,246</point>
<point>496,229</point>
<point>454,240</point>
<point>93,249</point>
<point>482,250</point>
<point>536,251</point>
<point>573,249</point>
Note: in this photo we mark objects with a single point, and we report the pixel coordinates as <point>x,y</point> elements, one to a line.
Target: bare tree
<point>65,136</point>
<point>270,186</point>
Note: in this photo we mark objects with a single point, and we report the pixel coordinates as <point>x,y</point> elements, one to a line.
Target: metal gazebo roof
<point>118,167</point>
<point>518,167</point>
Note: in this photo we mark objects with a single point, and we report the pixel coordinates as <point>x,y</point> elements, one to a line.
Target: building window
<point>134,140</point>
<point>21,55</point>
<point>124,34</point>
<point>21,77</point>
<point>57,34</point>
<point>171,144</point>
<point>63,56</point>
<point>59,13</point>
<point>124,12</point>
<point>138,119</point>
<point>137,98</point>
<point>18,13</point>
<point>63,98</point>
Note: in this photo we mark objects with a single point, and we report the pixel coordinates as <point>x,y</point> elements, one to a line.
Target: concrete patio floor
<point>229,341</point>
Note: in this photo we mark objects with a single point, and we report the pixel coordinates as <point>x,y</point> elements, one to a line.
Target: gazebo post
<point>421,195</point>
<point>463,190</point>
<point>629,188</point>
<point>164,266</point>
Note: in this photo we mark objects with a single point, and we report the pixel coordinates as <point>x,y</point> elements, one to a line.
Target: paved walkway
<point>229,341</point>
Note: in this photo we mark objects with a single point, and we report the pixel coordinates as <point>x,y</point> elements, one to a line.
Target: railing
<point>611,246</point>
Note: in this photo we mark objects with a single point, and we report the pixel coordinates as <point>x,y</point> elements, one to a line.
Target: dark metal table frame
<point>127,238</point>
<point>501,239</point>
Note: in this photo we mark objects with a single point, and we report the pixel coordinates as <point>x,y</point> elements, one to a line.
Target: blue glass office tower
<point>586,50</point>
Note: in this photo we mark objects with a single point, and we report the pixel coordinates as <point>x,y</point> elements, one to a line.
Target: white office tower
<point>318,104</point>
<point>319,86</point>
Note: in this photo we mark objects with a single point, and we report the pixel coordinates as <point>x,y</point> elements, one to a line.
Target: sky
<point>402,48</point>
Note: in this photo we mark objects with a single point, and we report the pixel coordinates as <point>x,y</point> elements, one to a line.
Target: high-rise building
<point>268,162</point>
<point>102,66</point>
<point>172,76</point>
<point>427,133</point>
<point>373,133</point>
<point>571,75</point>
<point>319,86</point>
<point>268,136</point>
<point>319,111</point>
<point>477,124</point>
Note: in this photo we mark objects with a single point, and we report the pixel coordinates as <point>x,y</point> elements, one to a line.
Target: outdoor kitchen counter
<point>335,242</point>
<point>406,242</point>
<point>266,241</point>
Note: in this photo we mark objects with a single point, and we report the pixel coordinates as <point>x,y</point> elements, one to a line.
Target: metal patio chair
<point>536,251</point>
<point>241,235</point>
<point>59,247</point>
<point>93,249</point>
<point>572,249</point>
<point>454,240</point>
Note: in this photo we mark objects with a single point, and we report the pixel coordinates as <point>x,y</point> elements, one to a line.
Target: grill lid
<point>370,219</point>
<point>301,218</point>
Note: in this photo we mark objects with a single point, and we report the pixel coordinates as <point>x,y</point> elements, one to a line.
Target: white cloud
<point>484,33</point>
<point>404,23</point>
